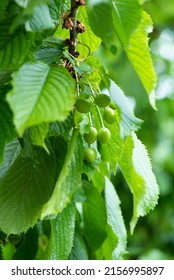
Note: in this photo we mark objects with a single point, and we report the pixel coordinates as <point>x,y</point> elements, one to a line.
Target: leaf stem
<point>90,86</point>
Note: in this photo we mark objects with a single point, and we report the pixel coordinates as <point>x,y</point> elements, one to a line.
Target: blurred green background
<point>154,234</point>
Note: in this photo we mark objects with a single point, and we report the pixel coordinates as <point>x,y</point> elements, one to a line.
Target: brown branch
<point>73,31</point>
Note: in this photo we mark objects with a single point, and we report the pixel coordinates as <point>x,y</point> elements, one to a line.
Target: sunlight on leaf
<point>136,167</point>
<point>38,95</point>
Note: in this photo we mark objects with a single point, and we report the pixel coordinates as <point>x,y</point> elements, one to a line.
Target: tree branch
<point>73,31</point>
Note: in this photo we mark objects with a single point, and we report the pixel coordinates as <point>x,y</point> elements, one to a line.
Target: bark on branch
<point>73,31</point>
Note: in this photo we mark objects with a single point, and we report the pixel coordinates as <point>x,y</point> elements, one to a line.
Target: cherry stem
<point>99,91</point>
<point>77,84</point>
<point>100,117</point>
<point>90,119</point>
<point>89,50</point>
<point>90,86</point>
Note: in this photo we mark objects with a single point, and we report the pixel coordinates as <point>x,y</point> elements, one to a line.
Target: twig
<point>73,31</point>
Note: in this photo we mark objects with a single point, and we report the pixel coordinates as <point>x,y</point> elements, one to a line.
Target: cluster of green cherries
<point>103,135</point>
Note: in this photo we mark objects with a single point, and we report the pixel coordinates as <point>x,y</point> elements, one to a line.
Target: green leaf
<point>8,250</point>
<point>28,249</point>
<point>39,94</point>
<point>128,122</point>
<point>61,128</point>
<point>35,16</point>
<point>1,252</point>
<point>62,235</point>
<point>54,42</point>
<point>87,39</point>
<point>79,250</point>
<point>11,152</point>
<point>95,76</point>
<point>25,3</point>
<point>38,134</point>
<point>41,19</point>
<point>112,151</point>
<point>100,172</point>
<point>100,18</point>
<point>83,67</point>
<point>109,244</point>
<point>5,77</point>
<point>3,6</point>
<point>132,26</point>
<point>7,131</point>
<point>30,3</point>
<point>139,55</point>
<point>127,16</point>
<point>56,8</point>
<point>136,167</point>
<point>94,215</point>
<point>115,219</point>
<point>60,146</point>
<point>24,189</point>
<point>69,178</point>
<point>48,55</point>
<point>13,47</point>
<point>51,50</point>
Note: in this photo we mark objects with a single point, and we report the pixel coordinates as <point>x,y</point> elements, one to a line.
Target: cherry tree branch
<point>73,30</point>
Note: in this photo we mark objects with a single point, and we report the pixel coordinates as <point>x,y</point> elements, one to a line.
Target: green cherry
<point>102,100</point>
<point>109,115</point>
<point>83,105</point>
<point>91,136</point>
<point>90,155</point>
<point>104,135</point>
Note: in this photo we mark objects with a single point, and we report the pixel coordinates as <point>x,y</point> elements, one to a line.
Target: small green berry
<point>104,135</point>
<point>109,115</point>
<point>102,100</point>
<point>91,136</point>
<point>90,155</point>
<point>83,105</point>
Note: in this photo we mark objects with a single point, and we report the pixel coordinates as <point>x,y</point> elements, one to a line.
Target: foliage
<point>157,134</point>
<point>49,187</point>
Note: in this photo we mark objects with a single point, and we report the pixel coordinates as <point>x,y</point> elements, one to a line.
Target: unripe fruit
<point>104,135</point>
<point>113,105</point>
<point>83,105</point>
<point>90,155</point>
<point>91,136</point>
<point>109,115</point>
<point>102,100</point>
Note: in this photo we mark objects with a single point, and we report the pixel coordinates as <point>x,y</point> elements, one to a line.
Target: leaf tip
<point>152,100</point>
